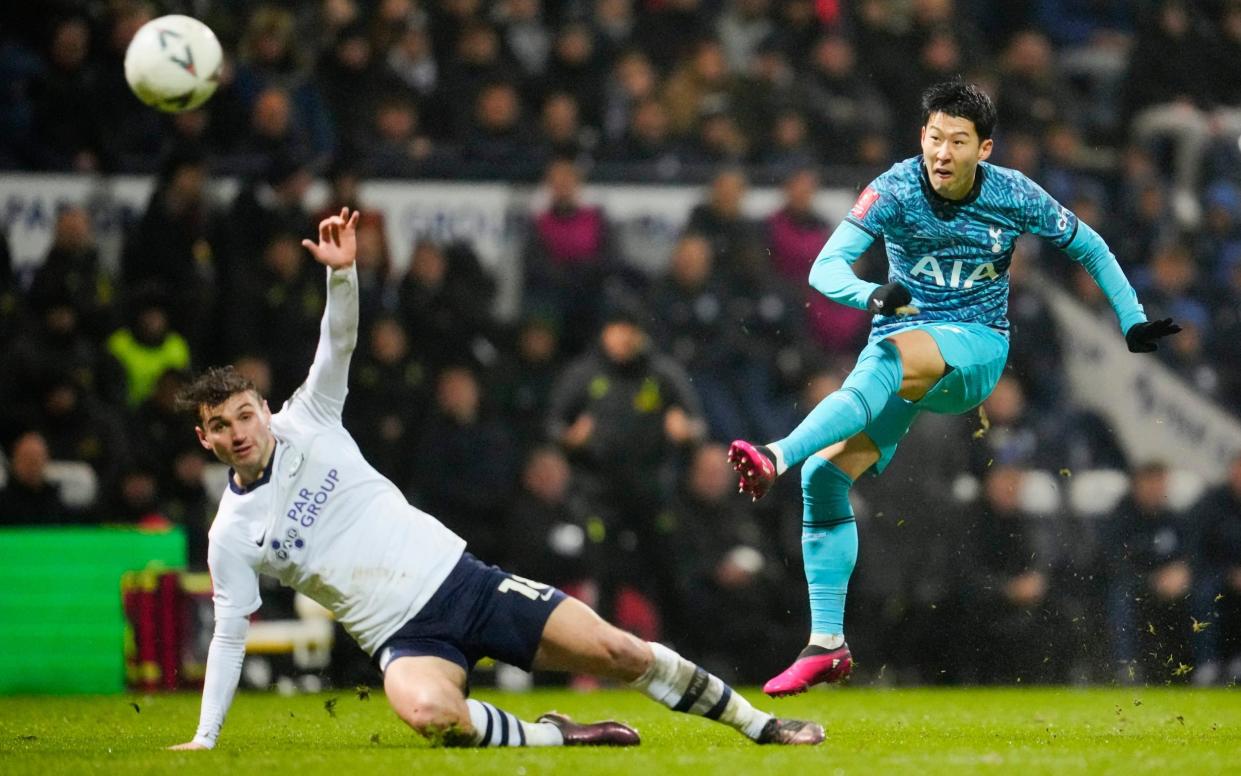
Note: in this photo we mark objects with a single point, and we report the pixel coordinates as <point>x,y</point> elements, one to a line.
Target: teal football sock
<point>828,542</point>
<point>875,379</point>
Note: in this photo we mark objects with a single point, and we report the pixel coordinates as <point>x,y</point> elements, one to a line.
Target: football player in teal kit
<point>938,342</point>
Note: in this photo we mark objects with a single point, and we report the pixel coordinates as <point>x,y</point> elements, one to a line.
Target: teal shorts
<point>977,355</point>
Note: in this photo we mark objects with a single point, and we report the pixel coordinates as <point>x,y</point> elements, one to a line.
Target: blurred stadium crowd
<point>580,444</point>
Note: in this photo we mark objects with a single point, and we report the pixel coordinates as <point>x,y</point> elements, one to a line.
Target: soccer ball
<point>173,63</point>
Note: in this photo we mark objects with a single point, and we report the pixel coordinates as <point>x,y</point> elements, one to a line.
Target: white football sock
<point>781,466</point>
<point>496,727</point>
<point>682,686</point>
<point>827,640</point>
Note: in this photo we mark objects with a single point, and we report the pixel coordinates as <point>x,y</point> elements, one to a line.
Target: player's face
<point>951,150</point>
<point>238,432</point>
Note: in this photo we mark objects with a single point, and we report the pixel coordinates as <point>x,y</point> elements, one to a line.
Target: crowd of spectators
<point>668,90</point>
<point>580,442</point>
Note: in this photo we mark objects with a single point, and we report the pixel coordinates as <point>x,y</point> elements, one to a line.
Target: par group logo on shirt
<point>308,506</point>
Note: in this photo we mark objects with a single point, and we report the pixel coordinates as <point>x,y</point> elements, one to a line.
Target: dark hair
<point>212,388</point>
<point>966,101</point>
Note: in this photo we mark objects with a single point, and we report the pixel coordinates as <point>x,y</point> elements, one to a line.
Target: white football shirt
<point>321,519</point>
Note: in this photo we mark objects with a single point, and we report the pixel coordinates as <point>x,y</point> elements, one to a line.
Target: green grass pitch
<point>922,731</point>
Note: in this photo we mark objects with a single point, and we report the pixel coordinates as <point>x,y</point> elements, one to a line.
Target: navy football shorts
<point>479,611</point>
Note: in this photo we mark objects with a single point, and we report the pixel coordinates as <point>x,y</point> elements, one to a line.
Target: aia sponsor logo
<point>867,198</point>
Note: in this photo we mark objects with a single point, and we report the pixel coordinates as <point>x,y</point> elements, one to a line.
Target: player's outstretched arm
<point>338,331</point>
<point>224,660</point>
<point>1090,250</point>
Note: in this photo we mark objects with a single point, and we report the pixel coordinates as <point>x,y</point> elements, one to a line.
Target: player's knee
<point>811,471</point>
<point>882,355</point>
<point>819,475</point>
<point>432,714</point>
<point>439,724</point>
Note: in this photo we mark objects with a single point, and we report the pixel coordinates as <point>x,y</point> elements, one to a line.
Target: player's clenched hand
<point>890,299</point>
<point>188,746</point>
<point>1142,337</point>
<point>338,240</point>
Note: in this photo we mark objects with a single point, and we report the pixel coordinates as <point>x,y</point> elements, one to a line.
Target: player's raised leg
<point>577,639</point>
<point>905,364</point>
<point>829,531</point>
<point>829,552</point>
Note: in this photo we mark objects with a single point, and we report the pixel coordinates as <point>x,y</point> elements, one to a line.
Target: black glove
<point>887,299</point>
<point>1141,337</point>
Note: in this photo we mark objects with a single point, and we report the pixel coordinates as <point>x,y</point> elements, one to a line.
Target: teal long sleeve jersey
<point>954,255</point>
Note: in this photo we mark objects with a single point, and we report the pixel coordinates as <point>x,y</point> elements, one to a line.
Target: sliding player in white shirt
<point>304,506</point>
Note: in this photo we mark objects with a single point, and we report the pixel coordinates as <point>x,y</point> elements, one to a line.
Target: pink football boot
<point>815,665</point>
<point>757,471</point>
